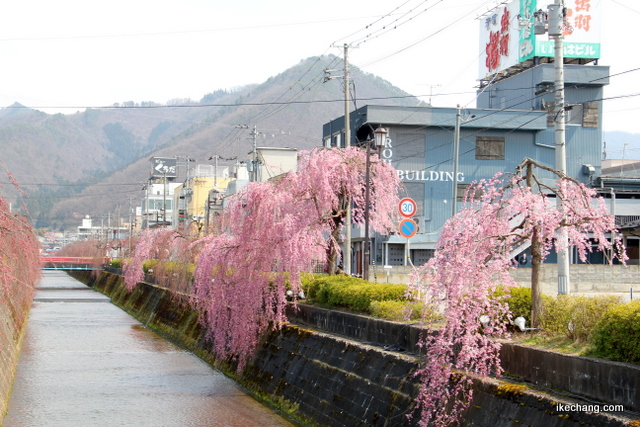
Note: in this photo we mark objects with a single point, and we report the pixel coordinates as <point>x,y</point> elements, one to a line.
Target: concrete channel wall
<point>592,378</point>
<point>338,381</point>
<point>10,335</point>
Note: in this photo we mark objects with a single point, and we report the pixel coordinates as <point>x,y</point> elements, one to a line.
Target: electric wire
<point>427,37</point>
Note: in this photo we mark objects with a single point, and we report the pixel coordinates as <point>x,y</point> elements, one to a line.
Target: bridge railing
<point>72,263</point>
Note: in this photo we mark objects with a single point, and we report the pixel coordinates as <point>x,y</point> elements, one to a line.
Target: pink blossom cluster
<point>272,232</point>
<point>161,244</point>
<point>19,263</point>
<point>267,236</point>
<point>473,258</point>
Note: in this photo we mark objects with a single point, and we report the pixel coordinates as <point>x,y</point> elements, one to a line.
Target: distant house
<point>192,197</point>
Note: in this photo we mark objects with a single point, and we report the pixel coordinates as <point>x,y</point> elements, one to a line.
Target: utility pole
<point>347,143</point>
<point>254,162</point>
<point>164,199</point>
<point>185,188</point>
<point>254,134</point>
<point>456,154</point>
<point>555,27</point>
<point>146,209</point>
<point>215,172</point>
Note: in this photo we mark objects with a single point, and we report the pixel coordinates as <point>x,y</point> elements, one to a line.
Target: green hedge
<point>350,292</point>
<point>403,311</point>
<point>519,300</point>
<point>575,316</point>
<point>617,335</point>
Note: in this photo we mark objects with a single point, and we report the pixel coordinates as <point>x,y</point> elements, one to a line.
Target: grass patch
<point>561,344</point>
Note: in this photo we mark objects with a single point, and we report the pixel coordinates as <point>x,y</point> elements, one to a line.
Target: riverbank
<point>10,342</point>
<point>326,379</point>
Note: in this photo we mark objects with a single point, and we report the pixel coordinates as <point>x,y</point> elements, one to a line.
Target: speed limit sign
<point>407,207</point>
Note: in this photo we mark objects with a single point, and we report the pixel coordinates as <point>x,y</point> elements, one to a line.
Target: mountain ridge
<point>65,162</point>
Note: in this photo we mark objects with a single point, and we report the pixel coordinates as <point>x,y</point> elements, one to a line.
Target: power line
<point>430,35</point>
<point>170,32</point>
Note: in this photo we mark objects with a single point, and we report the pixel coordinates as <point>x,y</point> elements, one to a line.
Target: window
<point>489,148</point>
<point>573,115</point>
<point>461,191</point>
<point>336,140</point>
<point>585,114</point>
<point>590,115</point>
<point>159,204</point>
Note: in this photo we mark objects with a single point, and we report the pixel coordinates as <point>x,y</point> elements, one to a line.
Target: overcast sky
<point>80,53</point>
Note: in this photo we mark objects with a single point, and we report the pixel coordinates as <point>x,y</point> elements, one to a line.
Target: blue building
<point>514,120</point>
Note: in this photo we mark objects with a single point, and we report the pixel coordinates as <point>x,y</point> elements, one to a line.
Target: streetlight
<point>379,139</point>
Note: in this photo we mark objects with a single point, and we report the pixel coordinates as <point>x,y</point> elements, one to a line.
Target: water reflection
<point>90,364</point>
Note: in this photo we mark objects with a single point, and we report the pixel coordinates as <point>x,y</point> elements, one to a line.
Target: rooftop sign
<point>507,35</point>
<point>163,167</point>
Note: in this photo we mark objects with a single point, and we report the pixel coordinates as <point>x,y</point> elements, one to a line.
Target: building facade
<point>191,197</point>
<point>514,120</point>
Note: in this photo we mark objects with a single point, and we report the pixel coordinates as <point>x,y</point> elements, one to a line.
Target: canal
<point>84,362</point>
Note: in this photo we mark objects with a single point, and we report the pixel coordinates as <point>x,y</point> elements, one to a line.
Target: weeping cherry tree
<point>274,231</point>
<point>473,258</point>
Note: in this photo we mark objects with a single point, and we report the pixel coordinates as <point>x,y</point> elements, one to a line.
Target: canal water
<point>85,363</point>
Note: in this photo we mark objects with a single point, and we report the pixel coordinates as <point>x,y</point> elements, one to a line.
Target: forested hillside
<point>95,161</point>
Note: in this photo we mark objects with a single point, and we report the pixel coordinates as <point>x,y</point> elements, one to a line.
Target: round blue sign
<point>408,228</point>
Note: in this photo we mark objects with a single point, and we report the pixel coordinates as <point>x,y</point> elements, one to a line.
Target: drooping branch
<point>474,254</point>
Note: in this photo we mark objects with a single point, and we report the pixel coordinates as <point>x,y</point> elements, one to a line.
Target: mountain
<point>96,161</point>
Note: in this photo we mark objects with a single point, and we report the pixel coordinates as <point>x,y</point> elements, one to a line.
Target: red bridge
<point>72,263</point>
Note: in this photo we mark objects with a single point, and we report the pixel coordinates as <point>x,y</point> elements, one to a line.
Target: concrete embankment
<point>9,351</point>
<point>591,378</point>
<point>339,381</point>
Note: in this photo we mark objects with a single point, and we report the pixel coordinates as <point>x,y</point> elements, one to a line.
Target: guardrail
<point>72,263</point>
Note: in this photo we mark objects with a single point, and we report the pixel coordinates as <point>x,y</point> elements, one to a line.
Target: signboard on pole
<point>407,207</point>
<point>507,36</point>
<point>163,167</point>
<point>408,228</point>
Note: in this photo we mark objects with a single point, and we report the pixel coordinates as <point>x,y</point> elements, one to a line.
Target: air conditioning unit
<point>421,222</point>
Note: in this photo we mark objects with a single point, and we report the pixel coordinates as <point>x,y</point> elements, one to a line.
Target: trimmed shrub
<point>617,333</point>
<point>350,292</point>
<point>116,263</point>
<point>519,300</point>
<point>402,311</point>
<point>148,266</point>
<point>574,316</point>
<point>390,310</point>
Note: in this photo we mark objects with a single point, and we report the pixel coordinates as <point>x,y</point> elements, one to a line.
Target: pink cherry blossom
<point>473,259</point>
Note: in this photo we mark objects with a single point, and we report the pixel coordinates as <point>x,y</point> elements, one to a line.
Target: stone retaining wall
<point>585,278</point>
<point>592,378</point>
<point>10,336</point>
<point>336,381</point>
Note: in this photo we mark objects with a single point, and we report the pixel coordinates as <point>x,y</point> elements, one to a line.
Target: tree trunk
<point>536,264</point>
<point>332,253</point>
